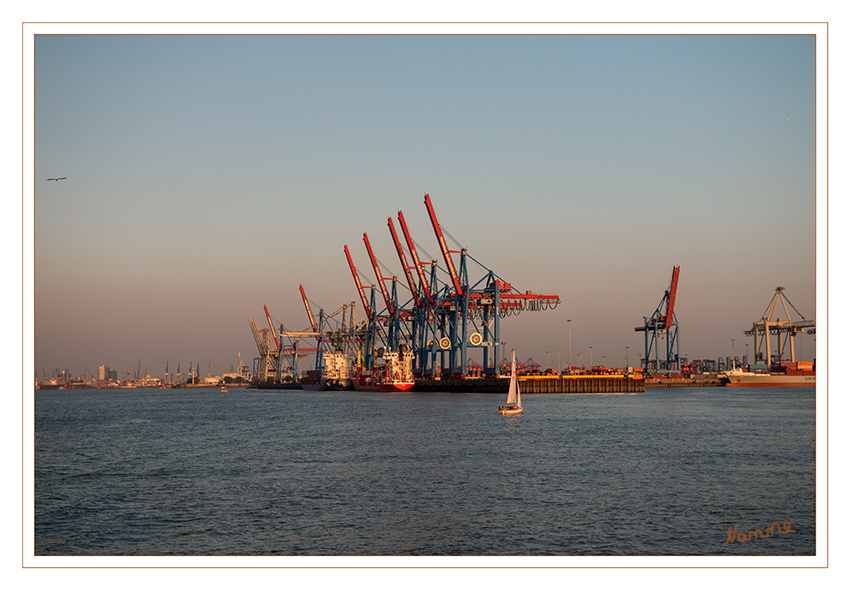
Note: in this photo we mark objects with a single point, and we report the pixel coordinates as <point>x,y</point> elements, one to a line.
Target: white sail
<point>516,386</point>
<point>513,390</point>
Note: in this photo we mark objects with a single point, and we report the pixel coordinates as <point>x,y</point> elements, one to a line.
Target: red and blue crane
<point>442,322</point>
<point>662,324</point>
<point>445,318</point>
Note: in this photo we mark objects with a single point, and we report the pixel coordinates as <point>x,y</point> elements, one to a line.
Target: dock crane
<point>662,323</point>
<point>463,307</point>
<point>327,341</point>
<point>784,330</point>
<point>441,318</point>
<point>269,358</point>
<point>331,335</point>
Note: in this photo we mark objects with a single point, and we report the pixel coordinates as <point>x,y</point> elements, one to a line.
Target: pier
<point>545,384</point>
<point>663,381</point>
<point>538,384</point>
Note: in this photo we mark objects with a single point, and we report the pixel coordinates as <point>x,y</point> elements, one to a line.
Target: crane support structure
<point>269,360</point>
<point>784,330</point>
<point>662,323</point>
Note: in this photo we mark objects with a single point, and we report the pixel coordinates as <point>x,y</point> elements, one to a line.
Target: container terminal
<point>452,310</point>
<point>422,334</point>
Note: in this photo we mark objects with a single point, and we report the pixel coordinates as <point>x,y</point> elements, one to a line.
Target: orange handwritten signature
<point>743,537</point>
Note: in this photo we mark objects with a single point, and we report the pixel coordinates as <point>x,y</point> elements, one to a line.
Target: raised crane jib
<point>446,256</point>
<point>403,259</point>
<point>381,284</point>
<point>671,300</point>
<point>366,307</point>
<point>276,343</point>
<point>413,254</point>
<point>307,307</point>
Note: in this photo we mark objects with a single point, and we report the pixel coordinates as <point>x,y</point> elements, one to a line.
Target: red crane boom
<point>268,317</point>
<point>403,259</point>
<point>422,280</point>
<point>381,284</point>
<point>360,287</point>
<point>307,307</point>
<point>671,301</point>
<point>446,255</point>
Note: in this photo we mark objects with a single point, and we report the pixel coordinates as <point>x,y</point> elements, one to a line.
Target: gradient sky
<point>208,176</point>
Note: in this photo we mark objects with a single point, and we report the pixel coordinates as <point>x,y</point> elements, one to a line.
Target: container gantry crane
<point>448,318</point>
<point>267,365</point>
<point>784,330</point>
<point>662,323</point>
<point>445,318</point>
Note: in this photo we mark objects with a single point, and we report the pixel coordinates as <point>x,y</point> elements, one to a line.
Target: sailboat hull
<point>513,404</point>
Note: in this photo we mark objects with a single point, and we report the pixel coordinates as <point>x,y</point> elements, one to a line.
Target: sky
<point>210,175</point>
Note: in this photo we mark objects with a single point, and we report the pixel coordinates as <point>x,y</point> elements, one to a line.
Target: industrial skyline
<point>204,177</point>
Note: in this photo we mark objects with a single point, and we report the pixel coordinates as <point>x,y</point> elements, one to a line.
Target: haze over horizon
<point>210,175</point>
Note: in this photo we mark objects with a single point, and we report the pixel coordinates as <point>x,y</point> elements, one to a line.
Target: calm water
<point>666,472</point>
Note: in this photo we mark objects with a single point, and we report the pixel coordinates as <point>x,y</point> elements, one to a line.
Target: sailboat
<point>514,403</point>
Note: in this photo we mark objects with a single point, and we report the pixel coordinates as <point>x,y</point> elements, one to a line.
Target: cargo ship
<point>335,375</point>
<point>799,374</point>
<point>395,375</point>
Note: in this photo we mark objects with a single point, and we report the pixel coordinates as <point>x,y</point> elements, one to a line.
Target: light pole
<point>559,361</point>
<point>627,359</point>
<point>733,353</point>
<point>591,358</point>
<point>570,324</point>
<point>547,360</point>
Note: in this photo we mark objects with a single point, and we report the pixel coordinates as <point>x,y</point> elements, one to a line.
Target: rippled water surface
<point>193,472</point>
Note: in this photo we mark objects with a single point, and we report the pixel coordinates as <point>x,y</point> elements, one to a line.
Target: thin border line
<point>23,242</point>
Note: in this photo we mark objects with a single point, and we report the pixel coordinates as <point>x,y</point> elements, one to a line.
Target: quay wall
<point>270,385</point>
<point>543,384</point>
<point>537,384</point>
<point>652,382</point>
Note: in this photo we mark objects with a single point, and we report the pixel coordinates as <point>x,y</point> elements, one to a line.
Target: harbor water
<point>253,472</point>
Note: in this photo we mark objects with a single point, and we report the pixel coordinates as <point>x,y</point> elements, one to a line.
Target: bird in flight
<point>57,179</point>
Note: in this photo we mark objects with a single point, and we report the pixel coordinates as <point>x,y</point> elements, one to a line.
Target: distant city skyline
<point>207,176</point>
